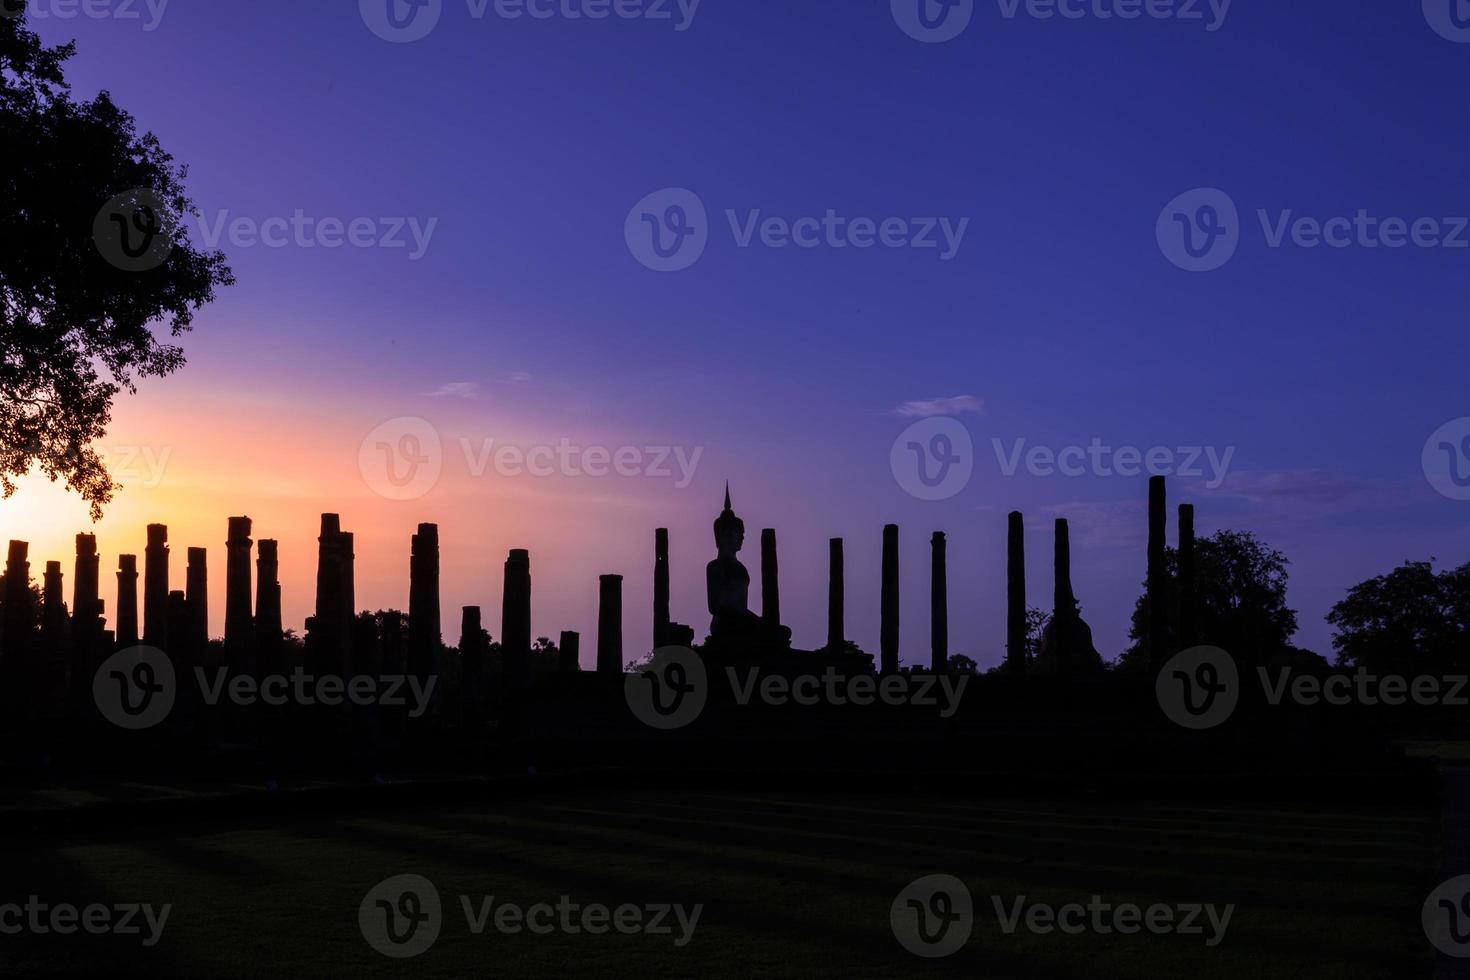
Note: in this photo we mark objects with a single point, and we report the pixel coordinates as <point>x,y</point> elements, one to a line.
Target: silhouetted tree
<point>74,326</point>
<point>1412,619</point>
<point>1240,601</point>
<point>961,664</point>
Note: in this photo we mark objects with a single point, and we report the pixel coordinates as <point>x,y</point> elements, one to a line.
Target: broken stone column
<point>473,646</point>
<point>660,588</point>
<point>515,620</point>
<point>425,632</point>
<point>269,635</point>
<point>770,579</point>
<point>86,625</point>
<point>181,651</point>
<point>55,624</point>
<point>196,594</point>
<point>836,638</point>
<point>1016,592</point>
<point>1064,605</point>
<point>1187,600</point>
<point>239,612</point>
<point>155,587</point>
<point>329,631</point>
<point>127,601</point>
<point>888,627</point>
<point>86,584</point>
<point>1157,580</point>
<point>570,650</point>
<point>938,605</point>
<point>610,626</point>
<point>17,625</point>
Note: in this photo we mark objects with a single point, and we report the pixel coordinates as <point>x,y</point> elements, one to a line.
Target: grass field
<point>790,886</point>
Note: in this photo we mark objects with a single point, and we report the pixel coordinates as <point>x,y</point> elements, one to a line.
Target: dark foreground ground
<point>790,884</point>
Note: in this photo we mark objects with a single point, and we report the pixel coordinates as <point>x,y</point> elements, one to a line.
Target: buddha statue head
<point>729,530</point>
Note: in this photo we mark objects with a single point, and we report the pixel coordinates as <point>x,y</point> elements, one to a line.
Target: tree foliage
<point>1240,600</point>
<point>1412,619</point>
<point>76,329</point>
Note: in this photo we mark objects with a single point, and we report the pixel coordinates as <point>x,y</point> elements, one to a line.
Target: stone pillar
<point>570,650</point>
<point>238,606</point>
<point>1016,592</point>
<point>155,587</point>
<point>660,588</point>
<point>1063,604</point>
<point>425,631</point>
<point>474,645</point>
<point>347,559</point>
<point>53,602</point>
<point>127,601</point>
<point>938,605</point>
<point>179,625</point>
<point>16,627</point>
<point>515,620</point>
<point>86,646</point>
<point>1156,582</point>
<point>770,579</point>
<point>86,584</point>
<point>1187,637</point>
<point>196,594</point>
<point>888,628</point>
<point>269,636</point>
<point>330,629</point>
<point>610,626</point>
<point>836,639</point>
<point>54,621</point>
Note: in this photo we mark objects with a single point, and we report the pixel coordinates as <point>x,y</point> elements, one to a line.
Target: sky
<point>1030,293</point>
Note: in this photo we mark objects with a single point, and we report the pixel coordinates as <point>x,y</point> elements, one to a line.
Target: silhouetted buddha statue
<point>728,586</point>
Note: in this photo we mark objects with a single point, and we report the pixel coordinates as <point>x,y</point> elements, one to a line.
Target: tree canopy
<point>1240,599</point>
<point>94,257</point>
<point>1411,619</point>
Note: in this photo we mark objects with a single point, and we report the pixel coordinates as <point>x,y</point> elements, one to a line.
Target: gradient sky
<point>1060,140</point>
